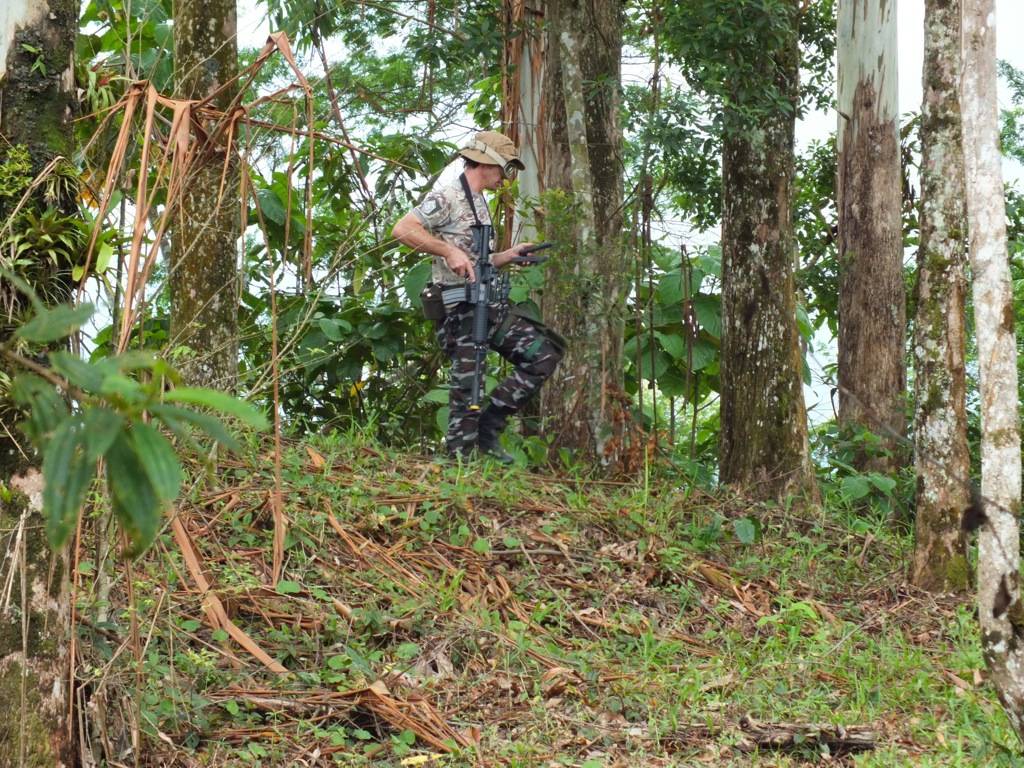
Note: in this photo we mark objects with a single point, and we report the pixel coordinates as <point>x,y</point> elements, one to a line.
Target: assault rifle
<point>488,288</point>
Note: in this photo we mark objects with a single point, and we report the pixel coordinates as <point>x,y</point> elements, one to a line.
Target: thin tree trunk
<point>204,242</point>
<point>37,43</point>
<point>585,294</point>
<point>999,608</point>
<point>941,459</point>
<point>872,302</point>
<point>763,439</point>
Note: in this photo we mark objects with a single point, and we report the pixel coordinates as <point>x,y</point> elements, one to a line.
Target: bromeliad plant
<point>119,403</point>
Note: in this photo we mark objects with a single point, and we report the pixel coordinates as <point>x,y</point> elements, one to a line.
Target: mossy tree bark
<point>204,240</point>
<point>763,439</point>
<point>1000,611</point>
<point>587,281</point>
<point>37,43</point>
<point>872,301</point>
<point>941,456</point>
<point>36,111</point>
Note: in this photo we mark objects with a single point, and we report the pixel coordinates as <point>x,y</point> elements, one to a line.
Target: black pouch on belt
<point>431,301</point>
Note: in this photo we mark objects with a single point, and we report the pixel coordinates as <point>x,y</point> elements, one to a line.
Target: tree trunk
<point>941,456</point>
<point>763,439</point>
<point>523,106</point>
<point>1000,612</point>
<point>585,294</point>
<point>37,43</point>
<point>204,241</point>
<point>872,302</point>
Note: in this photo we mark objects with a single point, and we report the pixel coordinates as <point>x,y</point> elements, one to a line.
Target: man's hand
<point>459,263</point>
<point>501,258</point>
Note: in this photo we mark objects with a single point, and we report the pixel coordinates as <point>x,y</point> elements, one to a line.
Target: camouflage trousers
<point>532,350</point>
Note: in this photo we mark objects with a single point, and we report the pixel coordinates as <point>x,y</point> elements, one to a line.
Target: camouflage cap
<point>493,148</point>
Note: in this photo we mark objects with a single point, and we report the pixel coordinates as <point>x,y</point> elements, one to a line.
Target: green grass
<point>559,622</point>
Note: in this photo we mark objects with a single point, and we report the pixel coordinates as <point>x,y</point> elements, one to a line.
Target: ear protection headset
<point>508,167</point>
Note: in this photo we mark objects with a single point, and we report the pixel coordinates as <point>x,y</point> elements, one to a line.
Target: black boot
<point>492,423</point>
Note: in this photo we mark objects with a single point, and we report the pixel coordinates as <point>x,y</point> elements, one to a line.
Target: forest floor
<point>436,615</point>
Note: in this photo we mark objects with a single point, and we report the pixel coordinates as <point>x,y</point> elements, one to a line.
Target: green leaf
<point>481,546</point>
<point>133,498</point>
<point>55,323</point>
<point>803,323</point>
<point>76,370</point>
<point>407,651</point>
<point>103,256</point>
<point>101,427</point>
<point>704,354</point>
<point>176,418</point>
<point>271,206</point>
<point>708,310</point>
<point>673,344</point>
<point>121,386</point>
<point>46,408</point>
<point>854,487</point>
<point>746,530</point>
<point>711,262</point>
<point>670,289</point>
<point>288,587</point>
<point>330,328</point>
<point>415,279</point>
<point>441,418</point>
<point>437,396</point>
<point>219,401</point>
<point>881,482</point>
<point>159,460</point>
<point>67,473</point>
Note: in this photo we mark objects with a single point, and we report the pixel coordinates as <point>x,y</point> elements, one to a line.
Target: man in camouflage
<point>442,226</point>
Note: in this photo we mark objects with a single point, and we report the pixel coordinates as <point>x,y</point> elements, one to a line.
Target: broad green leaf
<point>708,310</point>
<point>134,500</point>
<point>330,329</point>
<point>746,530</point>
<point>667,258</point>
<point>219,401</point>
<point>881,482</point>
<point>176,418</point>
<point>415,279</point>
<point>673,344</point>
<point>288,587</point>
<point>102,426</point>
<point>103,256</point>
<point>670,289</point>
<point>803,323</point>
<point>271,206</point>
<point>158,458</point>
<point>123,387</point>
<point>55,323</point>
<point>704,353</point>
<point>437,396</point>
<point>46,409</point>
<point>855,487</point>
<point>67,473</point>
<point>76,370</point>
<point>711,262</point>
<point>441,418</point>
